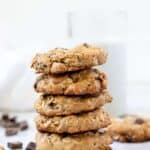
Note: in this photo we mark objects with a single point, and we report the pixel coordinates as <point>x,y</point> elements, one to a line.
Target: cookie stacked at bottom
<point>70,108</point>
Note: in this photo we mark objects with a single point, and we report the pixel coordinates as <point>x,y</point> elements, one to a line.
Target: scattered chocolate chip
<point>31,146</point>
<point>15,145</point>
<point>85,45</point>
<point>23,125</point>
<point>139,121</point>
<point>13,119</point>
<point>11,131</point>
<point>5,117</point>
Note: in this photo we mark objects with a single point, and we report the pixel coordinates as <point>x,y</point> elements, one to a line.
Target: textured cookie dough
<point>62,60</point>
<point>84,141</point>
<point>73,123</point>
<point>83,82</point>
<point>130,128</point>
<point>50,105</point>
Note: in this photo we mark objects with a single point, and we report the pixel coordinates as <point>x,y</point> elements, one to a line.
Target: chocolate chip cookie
<point>130,128</point>
<point>83,82</point>
<point>50,105</point>
<point>62,60</point>
<point>73,123</point>
<point>84,141</point>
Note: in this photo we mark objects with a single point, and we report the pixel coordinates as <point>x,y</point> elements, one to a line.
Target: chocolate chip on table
<point>11,131</point>
<point>15,145</point>
<point>13,119</point>
<point>23,125</point>
<point>5,117</point>
<point>139,121</point>
<point>31,146</point>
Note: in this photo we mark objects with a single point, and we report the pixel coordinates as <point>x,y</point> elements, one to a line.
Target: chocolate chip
<point>31,146</point>
<point>11,131</point>
<point>85,45</point>
<point>5,117</point>
<point>64,135</point>
<point>129,138</point>
<point>44,96</point>
<point>23,125</point>
<point>97,78</point>
<point>139,121</point>
<point>15,145</point>
<point>13,119</point>
<point>35,85</point>
<point>52,105</point>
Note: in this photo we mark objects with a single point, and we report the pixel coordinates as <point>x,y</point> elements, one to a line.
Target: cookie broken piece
<point>82,141</point>
<point>73,123</point>
<point>85,82</point>
<point>130,128</point>
<point>55,105</point>
<point>61,60</point>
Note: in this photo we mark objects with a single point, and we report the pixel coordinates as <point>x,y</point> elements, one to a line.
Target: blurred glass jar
<point>107,30</point>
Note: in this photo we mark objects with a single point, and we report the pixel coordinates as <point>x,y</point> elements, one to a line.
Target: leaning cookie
<point>73,123</point>
<point>62,60</point>
<point>130,128</point>
<point>83,82</point>
<point>50,105</point>
<point>85,141</point>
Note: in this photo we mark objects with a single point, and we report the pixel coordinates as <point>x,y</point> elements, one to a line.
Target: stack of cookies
<point>70,107</point>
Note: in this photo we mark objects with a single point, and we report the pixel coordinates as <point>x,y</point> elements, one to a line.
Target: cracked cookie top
<point>62,60</point>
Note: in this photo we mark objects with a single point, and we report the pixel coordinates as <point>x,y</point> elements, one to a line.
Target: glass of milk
<point>107,30</point>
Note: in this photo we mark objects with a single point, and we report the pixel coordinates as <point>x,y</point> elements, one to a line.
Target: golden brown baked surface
<point>83,82</point>
<point>73,123</point>
<point>61,60</point>
<point>130,128</point>
<point>84,141</point>
<point>50,105</point>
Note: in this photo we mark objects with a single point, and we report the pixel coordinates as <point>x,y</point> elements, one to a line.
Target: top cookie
<point>130,128</point>
<point>61,60</point>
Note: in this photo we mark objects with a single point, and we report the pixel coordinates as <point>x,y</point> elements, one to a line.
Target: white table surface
<point>29,135</point>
